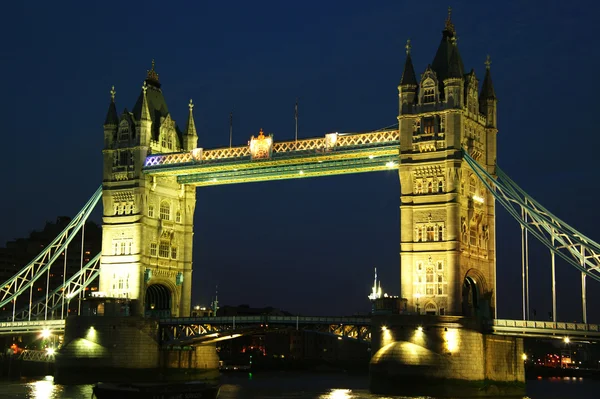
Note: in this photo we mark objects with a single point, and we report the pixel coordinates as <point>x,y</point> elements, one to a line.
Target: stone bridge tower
<point>147,221</point>
<point>447,254</point>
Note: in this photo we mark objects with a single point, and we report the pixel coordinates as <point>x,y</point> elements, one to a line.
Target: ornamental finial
<point>152,75</point>
<point>261,134</point>
<point>112,94</point>
<point>488,62</point>
<point>144,87</point>
<point>408,47</point>
<point>191,105</point>
<point>449,24</point>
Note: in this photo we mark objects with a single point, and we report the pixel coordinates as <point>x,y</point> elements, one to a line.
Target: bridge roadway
<point>194,328</point>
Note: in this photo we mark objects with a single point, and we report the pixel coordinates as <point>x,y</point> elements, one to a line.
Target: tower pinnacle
<point>449,24</point>
<point>488,62</point>
<point>111,116</point>
<point>112,94</point>
<point>408,47</point>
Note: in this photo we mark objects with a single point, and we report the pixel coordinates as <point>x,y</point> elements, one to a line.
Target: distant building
<point>18,253</point>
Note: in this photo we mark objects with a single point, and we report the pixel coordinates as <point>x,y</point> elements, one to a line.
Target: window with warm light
<point>165,210</point>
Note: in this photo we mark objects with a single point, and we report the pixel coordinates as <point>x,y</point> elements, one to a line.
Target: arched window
<point>170,141</point>
<point>429,95</point>
<point>440,233</point>
<point>440,186</point>
<point>419,234</point>
<point>431,309</point>
<point>165,210</point>
<point>178,217</point>
<point>430,187</point>
<point>430,234</point>
<point>419,188</point>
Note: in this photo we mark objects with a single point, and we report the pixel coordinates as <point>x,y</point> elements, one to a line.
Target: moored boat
<point>174,390</point>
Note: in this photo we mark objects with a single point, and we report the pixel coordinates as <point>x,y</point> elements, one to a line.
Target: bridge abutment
<point>443,356</point>
<point>112,348</point>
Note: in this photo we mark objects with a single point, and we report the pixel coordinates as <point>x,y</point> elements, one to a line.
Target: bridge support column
<point>113,349</point>
<point>443,356</point>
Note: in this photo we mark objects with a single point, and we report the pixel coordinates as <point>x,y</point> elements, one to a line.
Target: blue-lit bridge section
<point>263,159</point>
<point>546,329</point>
<point>184,330</point>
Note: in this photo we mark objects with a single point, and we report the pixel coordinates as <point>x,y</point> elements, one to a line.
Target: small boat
<point>158,390</point>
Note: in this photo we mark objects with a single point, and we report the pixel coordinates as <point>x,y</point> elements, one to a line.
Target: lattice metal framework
<point>37,356</point>
<point>25,278</point>
<point>196,330</point>
<point>63,294</point>
<point>331,155</point>
<point>576,249</point>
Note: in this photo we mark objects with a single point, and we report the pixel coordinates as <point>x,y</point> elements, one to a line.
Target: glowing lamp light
<point>477,199</point>
<point>390,164</point>
<point>420,329</point>
<point>567,340</point>
<point>50,351</point>
<point>371,157</point>
<point>383,328</point>
<point>301,172</point>
<point>45,333</point>
<point>524,356</point>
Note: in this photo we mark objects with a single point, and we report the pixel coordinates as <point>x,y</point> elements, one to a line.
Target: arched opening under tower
<point>470,297</point>
<point>158,301</point>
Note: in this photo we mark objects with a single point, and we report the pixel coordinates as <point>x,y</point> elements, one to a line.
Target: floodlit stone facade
<point>447,248</point>
<point>147,220</point>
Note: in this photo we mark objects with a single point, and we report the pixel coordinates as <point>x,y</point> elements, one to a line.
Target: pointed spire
<point>487,89</point>
<point>454,66</point>
<point>111,116</point>
<point>408,75</point>
<point>145,111</point>
<point>449,28</point>
<point>191,126</point>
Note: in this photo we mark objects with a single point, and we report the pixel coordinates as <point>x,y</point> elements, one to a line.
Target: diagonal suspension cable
<point>73,286</point>
<point>23,279</point>
<point>576,249</point>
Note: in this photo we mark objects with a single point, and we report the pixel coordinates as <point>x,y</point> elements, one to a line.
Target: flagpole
<point>230,127</point>
<point>296,117</point>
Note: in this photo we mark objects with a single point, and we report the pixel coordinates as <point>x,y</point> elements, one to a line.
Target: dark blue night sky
<point>306,246</point>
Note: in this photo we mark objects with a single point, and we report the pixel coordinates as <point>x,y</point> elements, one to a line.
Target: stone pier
<point>443,356</point>
<point>110,348</point>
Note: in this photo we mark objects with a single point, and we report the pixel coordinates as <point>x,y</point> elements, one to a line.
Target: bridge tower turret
<point>447,257</point>
<point>147,221</point>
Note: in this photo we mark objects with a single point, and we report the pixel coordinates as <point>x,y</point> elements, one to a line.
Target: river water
<point>297,386</point>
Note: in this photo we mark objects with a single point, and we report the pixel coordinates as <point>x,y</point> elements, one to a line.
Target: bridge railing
<point>264,319</point>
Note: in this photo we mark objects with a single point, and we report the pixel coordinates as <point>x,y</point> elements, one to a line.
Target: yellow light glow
<point>45,333</point>
<point>371,157</point>
<point>567,340</point>
<point>50,351</point>
<point>390,164</point>
<point>524,356</point>
<point>337,394</point>
<point>452,340</point>
<point>420,329</point>
<point>91,334</point>
<point>383,328</point>
<point>301,172</point>
<point>477,199</point>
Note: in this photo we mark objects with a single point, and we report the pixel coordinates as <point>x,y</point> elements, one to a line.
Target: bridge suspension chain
<point>563,240</point>
<point>56,299</point>
<point>24,279</point>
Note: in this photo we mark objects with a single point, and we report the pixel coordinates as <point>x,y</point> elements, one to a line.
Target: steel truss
<point>563,240</point>
<point>181,331</point>
<point>24,279</point>
<point>351,153</point>
<point>63,294</point>
<point>37,356</point>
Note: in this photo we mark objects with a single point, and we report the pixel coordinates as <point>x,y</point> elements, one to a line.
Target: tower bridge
<point>444,148</point>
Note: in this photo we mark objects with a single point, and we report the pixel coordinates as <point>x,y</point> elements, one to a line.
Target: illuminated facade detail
<point>447,218</point>
<point>261,146</point>
<point>138,232</point>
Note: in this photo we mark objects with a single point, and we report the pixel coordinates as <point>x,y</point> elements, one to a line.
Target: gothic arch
<point>473,290</point>
<point>161,298</point>
<point>431,308</point>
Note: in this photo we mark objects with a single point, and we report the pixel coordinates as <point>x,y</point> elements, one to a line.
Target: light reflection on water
<point>297,386</point>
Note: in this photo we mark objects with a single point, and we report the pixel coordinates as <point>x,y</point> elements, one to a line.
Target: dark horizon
<point>304,246</point>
